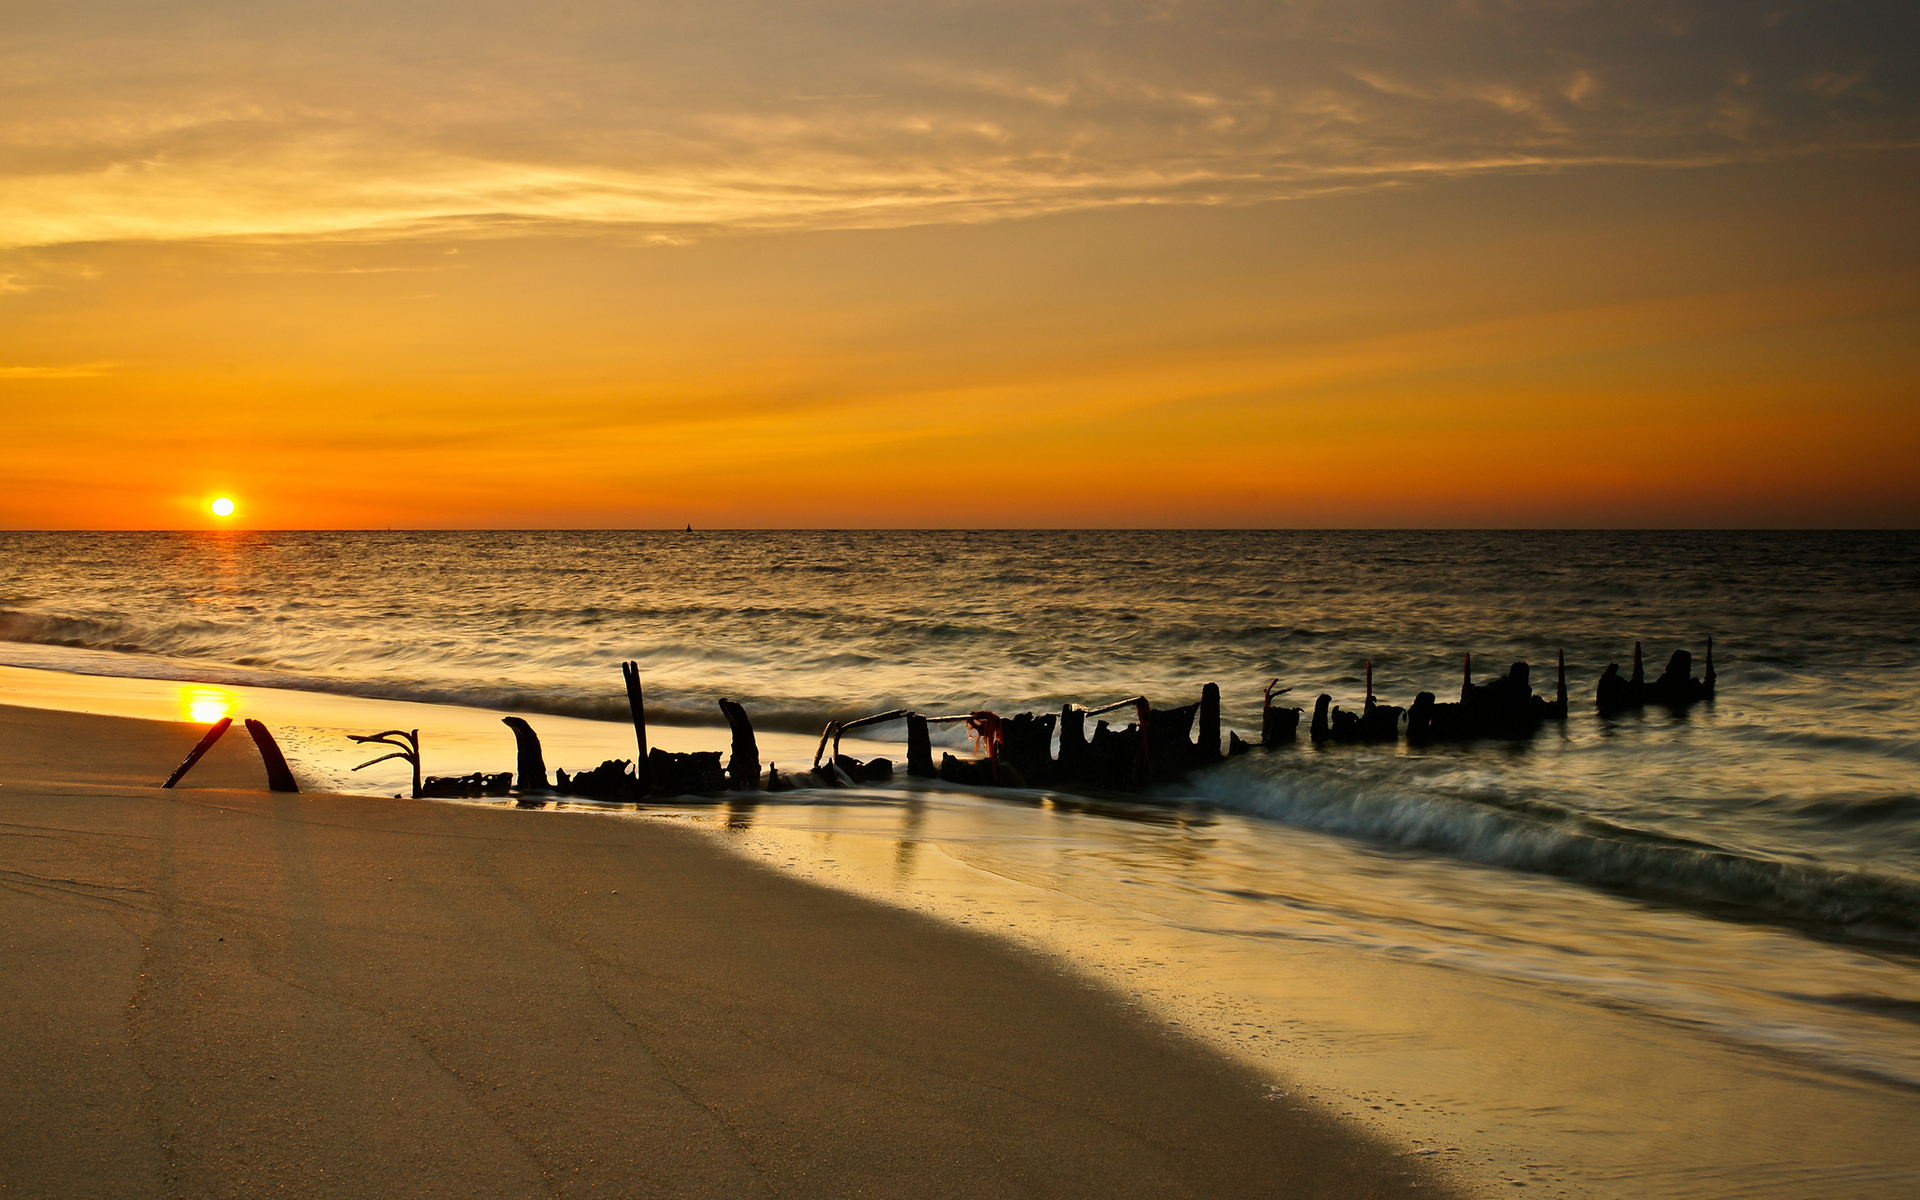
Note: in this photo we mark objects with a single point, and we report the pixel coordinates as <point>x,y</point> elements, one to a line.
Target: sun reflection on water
<point>204,705</point>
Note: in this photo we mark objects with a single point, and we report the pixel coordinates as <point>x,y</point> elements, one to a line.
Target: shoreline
<point>1489,1082</point>
<point>226,991</point>
<point>1516,1083</point>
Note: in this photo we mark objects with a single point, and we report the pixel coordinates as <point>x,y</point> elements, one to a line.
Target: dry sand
<point>221,991</point>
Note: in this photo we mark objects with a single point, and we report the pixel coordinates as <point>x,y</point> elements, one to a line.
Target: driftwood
<point>406,743</point>
<point>194,756</point>
<point>279,779</point>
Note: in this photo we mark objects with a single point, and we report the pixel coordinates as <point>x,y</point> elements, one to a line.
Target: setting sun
<point>222,507</point>
<point>205,705</point>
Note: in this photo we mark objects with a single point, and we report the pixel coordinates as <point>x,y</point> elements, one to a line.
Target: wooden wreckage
<point>1159,745</point>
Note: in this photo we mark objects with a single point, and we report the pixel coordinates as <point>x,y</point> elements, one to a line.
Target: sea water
<point>1747,871</point>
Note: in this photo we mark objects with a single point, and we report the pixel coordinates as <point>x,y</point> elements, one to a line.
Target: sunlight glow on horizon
<point>203,705</point>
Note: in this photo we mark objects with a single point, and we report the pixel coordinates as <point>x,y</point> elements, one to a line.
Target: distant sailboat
<point>689,526</point>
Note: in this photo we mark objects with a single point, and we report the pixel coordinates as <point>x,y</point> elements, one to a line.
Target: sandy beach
<point>222,991</point>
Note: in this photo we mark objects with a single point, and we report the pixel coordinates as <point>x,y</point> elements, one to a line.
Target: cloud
<point>288,120</point>
<point>82,372</point>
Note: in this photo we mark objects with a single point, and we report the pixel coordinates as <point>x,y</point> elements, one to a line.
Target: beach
<point>223,991</point>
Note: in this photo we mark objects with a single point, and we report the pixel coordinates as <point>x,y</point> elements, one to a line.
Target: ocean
<point>1745,873</point>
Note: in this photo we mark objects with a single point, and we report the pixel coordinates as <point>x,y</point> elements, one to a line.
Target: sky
<point>851,264</point>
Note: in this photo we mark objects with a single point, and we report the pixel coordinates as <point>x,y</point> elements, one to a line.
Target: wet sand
<point>221,991</point>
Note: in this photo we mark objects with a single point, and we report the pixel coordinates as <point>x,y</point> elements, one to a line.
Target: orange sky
<point>1502,268</point>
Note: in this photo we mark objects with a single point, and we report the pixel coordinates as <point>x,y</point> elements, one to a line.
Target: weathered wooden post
<point>1210,723</point>
<point>919,748</point>
<point>533,765</point>
<point>1144,763</point>
<point>1278,726</point>
<point>279,779</point>
<point>206,744</point>
<point>1319,731</point>
<point>1466,677</point>
<point>642,772</point>
<point>1420,718</point>
<point>1560,689</point>
<point>1169,751</point>
<point>743,769</point>
<point>1071,763</point>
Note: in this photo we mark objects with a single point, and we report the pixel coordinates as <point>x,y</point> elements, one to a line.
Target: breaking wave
<point>1542,838</point>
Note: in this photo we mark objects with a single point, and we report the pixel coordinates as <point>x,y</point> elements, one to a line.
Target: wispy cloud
<point>295,121</point>
<point>79,372</point>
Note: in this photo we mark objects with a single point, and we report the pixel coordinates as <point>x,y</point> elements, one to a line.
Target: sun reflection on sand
<point>204,705</point>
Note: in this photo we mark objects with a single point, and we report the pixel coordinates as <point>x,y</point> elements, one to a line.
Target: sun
<point>222,507</point>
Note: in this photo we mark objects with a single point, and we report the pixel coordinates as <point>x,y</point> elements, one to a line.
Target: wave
<point>1846,743</point>
<point>1546,839</point>
<point>1852,812</point>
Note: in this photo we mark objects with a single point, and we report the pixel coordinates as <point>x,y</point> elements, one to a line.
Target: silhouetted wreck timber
<point>200,749</point>
<point>637,704</point>
<point>1278,726</point>
<point>1026,746</point>
<point>1160,745</point>
<point>279,778</point>
<point>843,770</point>
<point>743,768</point>
<point>668,774</point>
<point>532,763</point>
<point>453,787</point>
<point>1675,689</point>
<point>1374,723</point>
<point>1018,750</point>
<point>406,744</point>
<point>1502,708</point>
